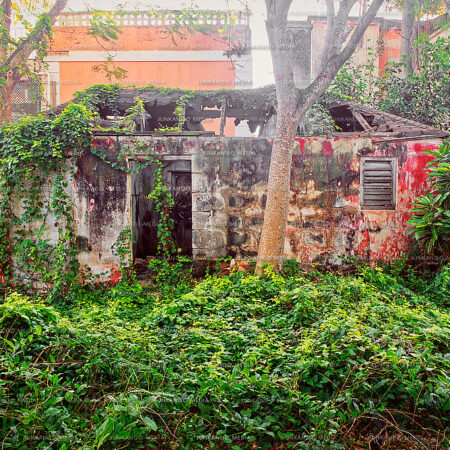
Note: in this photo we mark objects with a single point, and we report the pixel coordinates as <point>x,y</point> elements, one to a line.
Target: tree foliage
<point>15,53</point>
<point>422,96</point>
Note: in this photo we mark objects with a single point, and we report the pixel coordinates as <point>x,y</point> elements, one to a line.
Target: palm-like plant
<point>431,219</point>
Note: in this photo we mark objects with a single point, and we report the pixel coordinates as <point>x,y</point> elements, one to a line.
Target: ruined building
<point>350,191</point>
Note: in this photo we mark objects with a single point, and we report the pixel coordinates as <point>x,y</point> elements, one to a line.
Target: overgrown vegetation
<point>240,361</point>
<point>421,96</point>
<point>34,161</point>
<point>37,163</point>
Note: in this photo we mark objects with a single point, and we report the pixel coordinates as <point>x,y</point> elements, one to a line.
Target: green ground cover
<point>280,361</point>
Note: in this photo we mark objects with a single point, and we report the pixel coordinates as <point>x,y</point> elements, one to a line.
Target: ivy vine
<point>163,204</point>
<point>37,163</point>
<point>180,109</point>
<point>100,98</point>
<point>34,200</point>
<point>163,201</point>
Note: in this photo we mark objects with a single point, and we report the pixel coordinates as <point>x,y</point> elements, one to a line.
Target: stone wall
<point>229,183</point>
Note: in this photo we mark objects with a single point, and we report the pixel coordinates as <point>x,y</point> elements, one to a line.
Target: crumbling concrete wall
<point>229,184</point>
<point>326,221</point>
<point>102,194</point>
<point>100,203</point>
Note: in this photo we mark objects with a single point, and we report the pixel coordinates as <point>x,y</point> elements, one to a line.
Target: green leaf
<point>150,423</point>
<point>104,431</point>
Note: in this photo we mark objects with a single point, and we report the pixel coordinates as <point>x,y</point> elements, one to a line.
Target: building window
<point>26,98</point>
<point>378,183</point>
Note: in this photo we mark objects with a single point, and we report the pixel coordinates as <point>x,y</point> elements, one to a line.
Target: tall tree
<point>293,103</point>
<point>14,53</point>
<point>412,11</point>
<point>409,33</point>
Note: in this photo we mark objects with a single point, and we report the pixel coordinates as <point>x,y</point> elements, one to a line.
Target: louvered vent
<point>378,183</point>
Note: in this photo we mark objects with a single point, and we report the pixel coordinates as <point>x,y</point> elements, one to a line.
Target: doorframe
<point>129,203</point>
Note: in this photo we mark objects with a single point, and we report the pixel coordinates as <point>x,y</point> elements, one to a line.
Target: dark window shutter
<point>378,183</point>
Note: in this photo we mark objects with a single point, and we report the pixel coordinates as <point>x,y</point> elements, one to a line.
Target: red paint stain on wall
<point>327,149</point>
<point>302,144</point>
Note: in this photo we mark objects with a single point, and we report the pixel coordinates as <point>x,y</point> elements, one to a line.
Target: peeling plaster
<point>229,180</point>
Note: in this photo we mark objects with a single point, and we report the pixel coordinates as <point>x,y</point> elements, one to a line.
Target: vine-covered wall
<point>229,182</point>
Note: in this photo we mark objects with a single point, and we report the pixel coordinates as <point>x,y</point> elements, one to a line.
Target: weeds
<point>240,361</point>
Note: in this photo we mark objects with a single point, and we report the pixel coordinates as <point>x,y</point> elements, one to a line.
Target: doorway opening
<point>177,176</point>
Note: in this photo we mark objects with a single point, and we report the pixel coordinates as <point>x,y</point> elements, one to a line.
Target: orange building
<point>207,50</point>
<point>382,34</point>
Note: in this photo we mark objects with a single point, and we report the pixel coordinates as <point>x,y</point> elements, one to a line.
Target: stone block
<point>314,238</point>
<point>207,202</point>
<point>202,202</point>
<point>209,253</point>
<point>208,239</point>
<point>200,219</point>
<point>237,238</point>
<point>199,183</point>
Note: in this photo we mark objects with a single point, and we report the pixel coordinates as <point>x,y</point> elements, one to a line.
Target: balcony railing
<point>158,18</point>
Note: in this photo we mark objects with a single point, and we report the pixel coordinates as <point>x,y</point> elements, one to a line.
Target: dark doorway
<point>177,176</point>
<point>182,211</point>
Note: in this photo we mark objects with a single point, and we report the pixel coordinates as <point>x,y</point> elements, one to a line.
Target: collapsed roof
<point>255,106</point>
<point>372,122</point>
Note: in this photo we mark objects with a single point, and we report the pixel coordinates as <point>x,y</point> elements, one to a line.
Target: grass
<point>240,361</point>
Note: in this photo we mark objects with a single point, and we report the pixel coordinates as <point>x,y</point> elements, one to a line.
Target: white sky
<point>262,66</point>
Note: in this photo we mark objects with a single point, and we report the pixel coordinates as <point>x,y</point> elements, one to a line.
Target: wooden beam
<point>223,116</point>
<point>361,120</point>
<point>237,113</point>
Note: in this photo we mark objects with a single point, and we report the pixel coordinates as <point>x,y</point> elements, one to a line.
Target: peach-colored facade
<point>151,53</point>
<point>389,34</point>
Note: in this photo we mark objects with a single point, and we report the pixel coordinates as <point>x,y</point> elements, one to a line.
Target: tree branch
<point>340,28</point>
<point>359,31</point>
<point>6,28</point>
<point>278,8</point>
<point>335,62</point>
<point>280,47</point>
<point>330,30</point>
<point>24,50</point>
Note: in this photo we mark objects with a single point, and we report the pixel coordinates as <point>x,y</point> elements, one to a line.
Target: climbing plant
<point>163,204</point>
<point>100,98</point>
<point>161,195</point>
<point>35,205</point>
<point>180,109</point>
<point>37,156</point>
<point>37,233</point>
<point>135,114</point>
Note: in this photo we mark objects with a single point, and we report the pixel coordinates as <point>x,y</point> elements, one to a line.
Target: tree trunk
<point>408,22</point>
<point>271,246</point>
<point>6,109</point>
<point>293,105</point>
